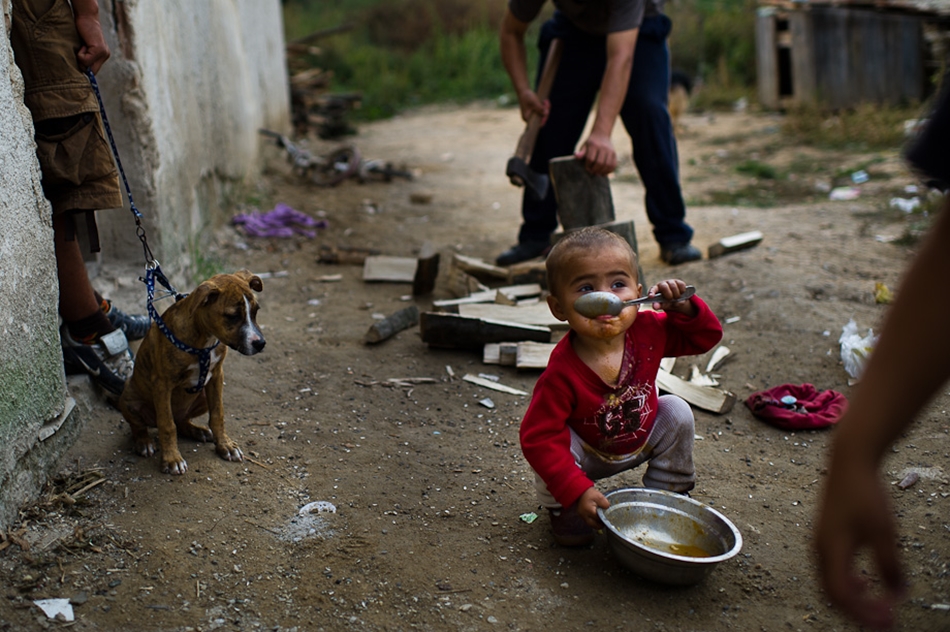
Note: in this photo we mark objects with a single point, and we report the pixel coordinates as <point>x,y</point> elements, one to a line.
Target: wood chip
<point>495,386</point>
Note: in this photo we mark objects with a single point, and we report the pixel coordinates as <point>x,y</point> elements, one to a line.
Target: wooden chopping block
<point>583,199</point>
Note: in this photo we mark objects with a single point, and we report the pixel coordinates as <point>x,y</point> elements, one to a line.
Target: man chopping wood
<point>616,49</point>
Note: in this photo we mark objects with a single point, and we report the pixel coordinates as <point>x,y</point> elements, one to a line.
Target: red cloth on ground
<point>812,410</point>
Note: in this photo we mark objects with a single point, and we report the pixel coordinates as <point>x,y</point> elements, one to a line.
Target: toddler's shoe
<point>569,528</point>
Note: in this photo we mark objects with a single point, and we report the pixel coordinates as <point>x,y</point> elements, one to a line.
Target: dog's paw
<point>175,466</point>
<point>230,452</point>
<point>145,448</point>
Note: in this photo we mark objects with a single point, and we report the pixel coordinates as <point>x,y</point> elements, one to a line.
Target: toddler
<point>595,409</point>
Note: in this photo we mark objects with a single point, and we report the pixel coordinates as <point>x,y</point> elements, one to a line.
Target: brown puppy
<point>164,390</point>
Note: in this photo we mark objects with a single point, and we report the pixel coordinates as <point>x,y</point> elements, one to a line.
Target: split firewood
<point>495,386</point>
<point>734,243</point>
<point>705,397</point>
<point>427,270</point>
<point>393,324</point>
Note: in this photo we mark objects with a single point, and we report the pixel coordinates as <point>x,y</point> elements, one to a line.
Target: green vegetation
<point>867,127</point>
<point>757,169</point>
<point>402,53</point>
<point>204,264</point>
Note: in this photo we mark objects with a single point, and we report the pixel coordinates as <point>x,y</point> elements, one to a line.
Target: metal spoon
<point>596,304</point>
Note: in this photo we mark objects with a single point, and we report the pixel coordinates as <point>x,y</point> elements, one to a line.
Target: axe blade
<point>521,174</point>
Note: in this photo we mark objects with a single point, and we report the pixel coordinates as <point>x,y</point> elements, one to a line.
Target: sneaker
<point>569,528</point>
<point>523,252</point>
<point>108,361</point>
<point>134,326</point>
<point>675,254</point>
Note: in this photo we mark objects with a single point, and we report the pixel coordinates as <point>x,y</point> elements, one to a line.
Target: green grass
<point>757,169</point>
<point>867,127</point>
<point>204,265</point>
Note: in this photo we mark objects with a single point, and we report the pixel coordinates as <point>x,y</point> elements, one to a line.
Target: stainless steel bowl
<point>667,537</point>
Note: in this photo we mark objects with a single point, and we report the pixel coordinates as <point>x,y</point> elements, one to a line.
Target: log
<point>583,199</point>
<point>734,243</point>
<point>452,331</point>
<point>392,325</point>
<point>705,397</point>
<point>345,254</point>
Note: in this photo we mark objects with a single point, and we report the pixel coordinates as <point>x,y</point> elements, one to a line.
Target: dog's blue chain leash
<point>153,271</point>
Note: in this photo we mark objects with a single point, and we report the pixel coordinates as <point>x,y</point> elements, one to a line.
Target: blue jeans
<point>644,114</point>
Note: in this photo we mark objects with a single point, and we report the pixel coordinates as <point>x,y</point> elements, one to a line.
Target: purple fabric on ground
<point>283,221</point>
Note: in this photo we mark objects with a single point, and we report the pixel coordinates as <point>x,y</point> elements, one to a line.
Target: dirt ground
<point>428,483</point>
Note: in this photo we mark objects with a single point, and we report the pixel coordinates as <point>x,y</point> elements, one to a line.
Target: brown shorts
<point>79,173</point>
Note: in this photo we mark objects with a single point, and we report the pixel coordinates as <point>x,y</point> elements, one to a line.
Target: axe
<point>518,170</point>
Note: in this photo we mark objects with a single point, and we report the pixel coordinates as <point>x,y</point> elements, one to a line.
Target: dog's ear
<point>252,279</point>
<point>207,293</point>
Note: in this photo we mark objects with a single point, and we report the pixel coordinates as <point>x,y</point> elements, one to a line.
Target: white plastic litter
<point>855,349</point>
<point>908,205</point>
<point>844,193</point>
<point>56,608</point>
<point>319,506</point>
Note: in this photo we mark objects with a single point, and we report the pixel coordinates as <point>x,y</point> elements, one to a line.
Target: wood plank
<point>495,386</point>
<point>534,355</point>
<point>453,331</point>
<point>735,243</point>
<point>384,268</point>
<point>536,314</point>
<point>479,268</point>
<point>490,296</point>
<point>705,397</point>
<point>392,325</point>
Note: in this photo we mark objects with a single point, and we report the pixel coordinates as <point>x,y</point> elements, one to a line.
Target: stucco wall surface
<point>188,87</point>
<point>32,388</point>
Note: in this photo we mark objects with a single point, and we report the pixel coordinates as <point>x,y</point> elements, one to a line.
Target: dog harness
<point>153,273</point>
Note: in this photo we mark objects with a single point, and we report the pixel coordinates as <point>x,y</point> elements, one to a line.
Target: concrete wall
<point>186,90</point>
<point>32,389</point>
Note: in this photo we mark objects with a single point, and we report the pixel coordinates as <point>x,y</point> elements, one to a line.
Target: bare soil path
<point>428,484</point>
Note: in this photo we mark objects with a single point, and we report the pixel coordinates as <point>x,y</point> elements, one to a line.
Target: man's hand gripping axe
<point>518,171</point>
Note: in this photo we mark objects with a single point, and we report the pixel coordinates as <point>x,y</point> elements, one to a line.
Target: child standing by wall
<point>595,410</point>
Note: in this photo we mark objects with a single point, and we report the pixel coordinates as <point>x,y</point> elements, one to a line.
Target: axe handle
<point>530,135</point>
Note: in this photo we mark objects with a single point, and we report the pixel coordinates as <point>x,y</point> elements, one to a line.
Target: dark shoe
<point>134,326</point>
<point>675,254</point>
<point>569,528</point>
<point>108,361</point>
<point>523,252</point>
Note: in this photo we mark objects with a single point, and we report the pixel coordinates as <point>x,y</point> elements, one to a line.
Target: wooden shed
<point>843,53</point>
